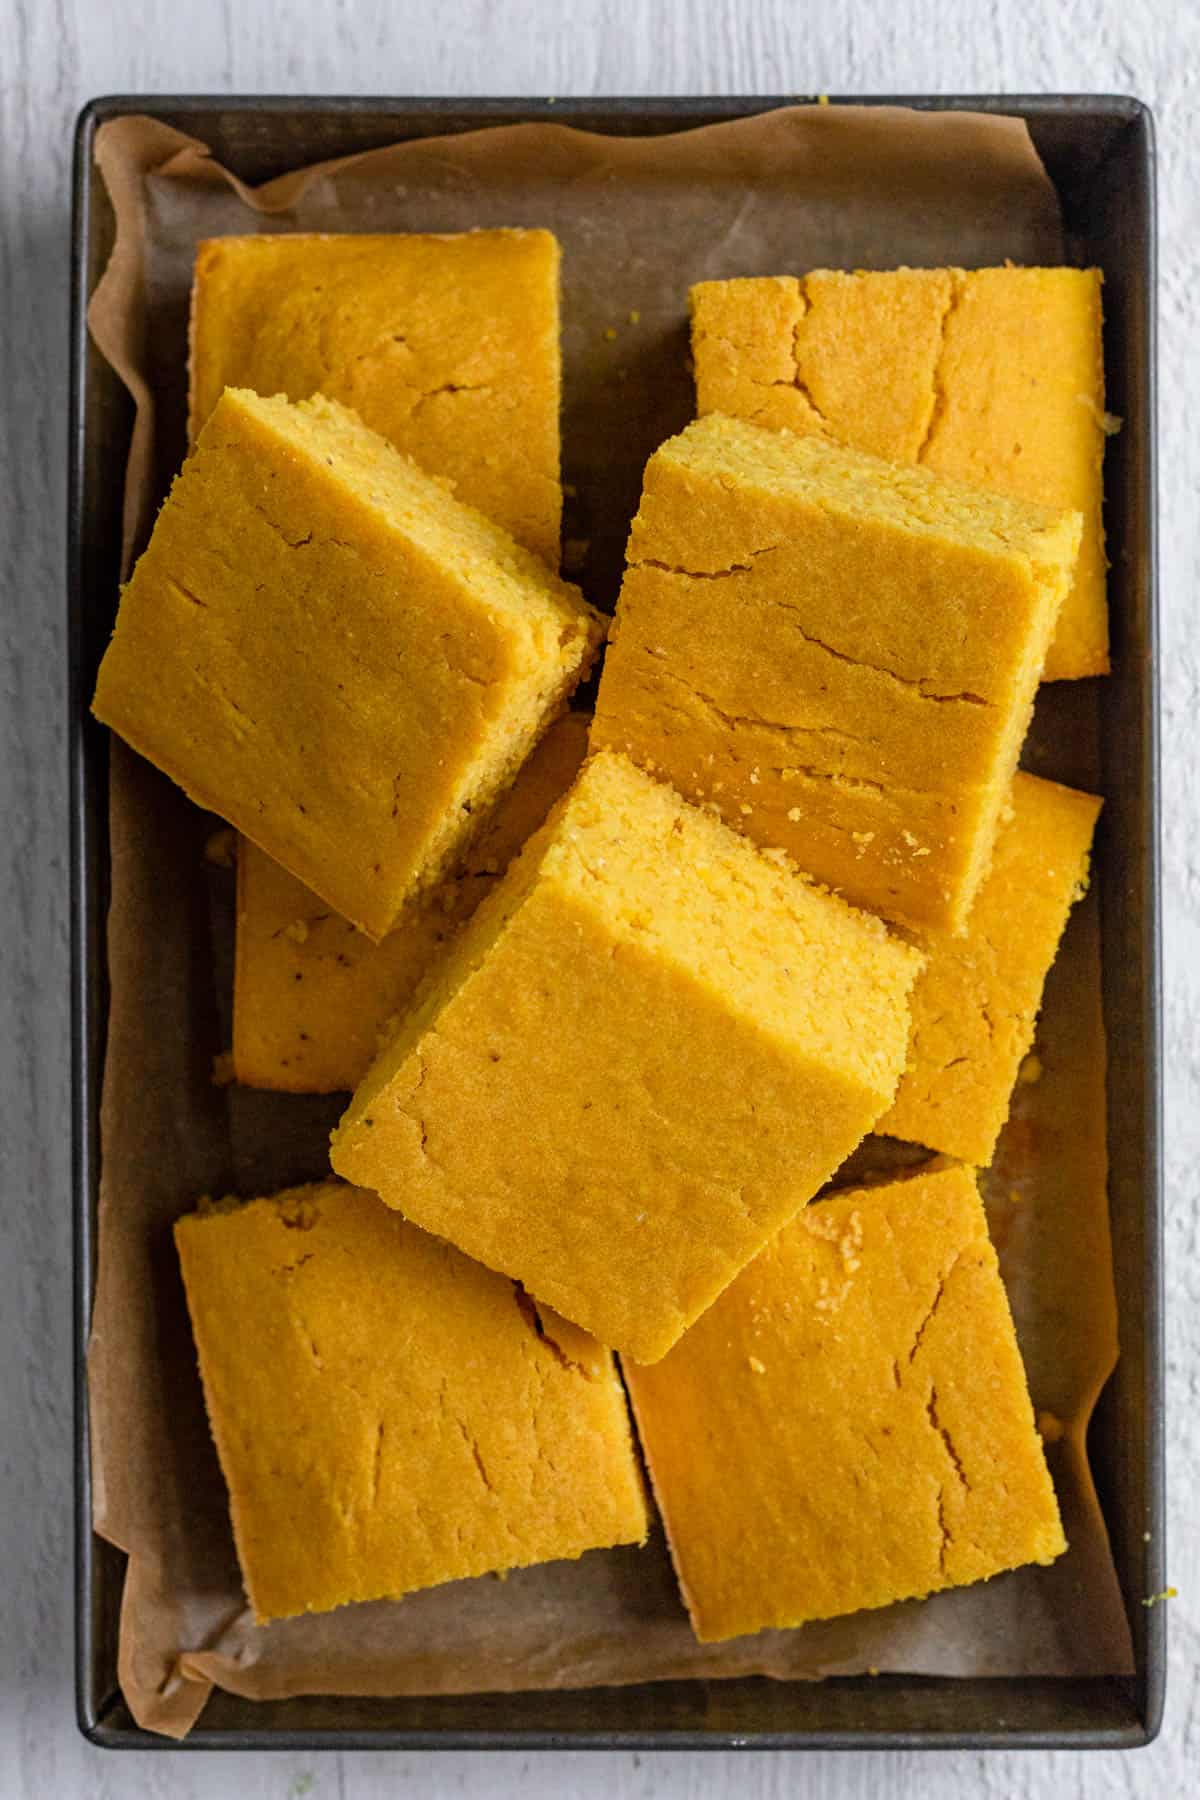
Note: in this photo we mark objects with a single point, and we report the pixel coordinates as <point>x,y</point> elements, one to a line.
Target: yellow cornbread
<point>995,376</point>
<point>976,1002</point>
<point>389,1415</point>
<point>838,653</point>
<point>448,346</point>
<point>322,645</point>
<point>311,994</point>
<point>649,1046</point>
<point>849,1425</point>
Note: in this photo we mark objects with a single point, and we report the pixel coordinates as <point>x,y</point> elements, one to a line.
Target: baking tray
<point>1099,151</point>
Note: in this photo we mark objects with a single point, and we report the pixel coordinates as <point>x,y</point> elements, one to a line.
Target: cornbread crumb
<point>1050,1427</point>
<point>220,848</point>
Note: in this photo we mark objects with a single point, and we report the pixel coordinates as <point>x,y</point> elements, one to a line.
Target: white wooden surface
<point>55,54</point>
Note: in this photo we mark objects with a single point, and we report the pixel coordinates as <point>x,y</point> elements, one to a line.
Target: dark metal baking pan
<point>1100,153</point>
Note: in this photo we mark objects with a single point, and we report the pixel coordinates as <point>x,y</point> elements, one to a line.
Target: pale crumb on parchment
<point>220,848</point>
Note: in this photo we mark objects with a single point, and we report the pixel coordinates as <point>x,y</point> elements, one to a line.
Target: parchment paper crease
<point>639,219</point>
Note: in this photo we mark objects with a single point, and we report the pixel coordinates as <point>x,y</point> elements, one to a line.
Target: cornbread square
<point>838,653</point>
<point>389,1415</point>
<point>448,346</point>
<point>995,376</point>
<point>975,1004</point>
<point>649,1046</point>
<point>325,647</point>
<point>312,995</point>
<point>849,1425</point>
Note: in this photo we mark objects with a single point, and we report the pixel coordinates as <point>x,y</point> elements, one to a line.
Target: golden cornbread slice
<point>389,1415</point>
<point>649,1046</point>
<point>311,994</point>
<point>448,346</point>
<point>975,1004</point>
<point>994,376</point>
<point>323,646</point>
<point>838,653</point>
<point>849,1425</point>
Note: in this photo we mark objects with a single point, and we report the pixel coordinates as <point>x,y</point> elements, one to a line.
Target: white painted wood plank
<point>54,54</point>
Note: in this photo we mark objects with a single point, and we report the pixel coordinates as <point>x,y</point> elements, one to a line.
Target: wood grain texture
<point>56,55</point>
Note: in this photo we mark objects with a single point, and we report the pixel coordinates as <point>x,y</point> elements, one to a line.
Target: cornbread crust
<point>849,1424</point>
<point>649,1046</point>
<point>839,654</point>
<point>312,995</point>
<point>389,1415</point>
<point>322,645</point>
<point>975,1004</point>
<point>448,346</point>
<point>993,376</point>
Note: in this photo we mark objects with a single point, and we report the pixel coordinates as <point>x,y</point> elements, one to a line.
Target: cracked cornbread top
<point>837,653</point>
<point>447,345</point>
<point>849,1424</point>
<point>995,376</point>
<point>389,1415</point>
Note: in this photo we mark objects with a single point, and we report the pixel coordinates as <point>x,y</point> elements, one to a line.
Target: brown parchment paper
<point>639,220</point>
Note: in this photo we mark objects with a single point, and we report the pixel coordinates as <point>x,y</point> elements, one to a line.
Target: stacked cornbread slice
<point>649,1047</point>
<point>616,1000</point>
<point>448,346</point>
<point>312,996</point>
<point>839,653</point>
<point>322,644</point>
<point>992,376</point>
